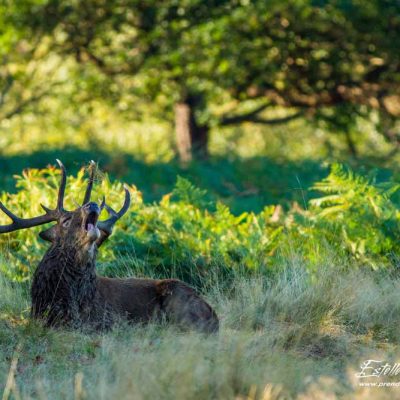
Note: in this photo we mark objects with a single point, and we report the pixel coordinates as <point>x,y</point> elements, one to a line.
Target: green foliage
<point>180,233</point>
<point>186,192</point>
<point>358,214</point>
<point>186,231</point>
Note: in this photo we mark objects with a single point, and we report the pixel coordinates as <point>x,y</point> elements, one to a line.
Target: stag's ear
<point>49,234</point>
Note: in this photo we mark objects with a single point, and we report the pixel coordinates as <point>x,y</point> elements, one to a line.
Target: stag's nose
<point>91,208</point>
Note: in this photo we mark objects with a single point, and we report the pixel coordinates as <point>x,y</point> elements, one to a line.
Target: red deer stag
<point>66,290</point>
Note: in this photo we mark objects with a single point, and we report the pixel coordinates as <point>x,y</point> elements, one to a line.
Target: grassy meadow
<point>281,338</point>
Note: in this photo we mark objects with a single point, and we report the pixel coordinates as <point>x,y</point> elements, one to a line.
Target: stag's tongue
<point>92,231</point>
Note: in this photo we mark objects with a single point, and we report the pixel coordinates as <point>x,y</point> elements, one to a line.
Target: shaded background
<point>248,99</point>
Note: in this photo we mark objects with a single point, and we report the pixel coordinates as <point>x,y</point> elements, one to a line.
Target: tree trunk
<point>191,138</point>
<point>350,144</point>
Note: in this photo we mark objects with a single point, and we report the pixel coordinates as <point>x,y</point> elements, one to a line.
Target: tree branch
<point>106,69</point>
<point>259,120</point>
<point>244,117</point>
<point>23,104</point>
<point>7,86</point>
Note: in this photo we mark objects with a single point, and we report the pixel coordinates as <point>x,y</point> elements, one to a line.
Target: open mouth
<point>91,221</point>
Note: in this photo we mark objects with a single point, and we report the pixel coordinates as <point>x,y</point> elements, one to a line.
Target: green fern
<point>357,213</point>
<point>186,192</point>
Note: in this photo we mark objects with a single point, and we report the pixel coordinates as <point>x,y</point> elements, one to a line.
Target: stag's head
<point>79,229</point>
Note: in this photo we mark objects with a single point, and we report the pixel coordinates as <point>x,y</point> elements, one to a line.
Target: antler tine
<point>107,225</point>
<point>6,211</point>
<point>49,216</point>
<point>23,223</point>
<point>103,203</point>
<point>61,190</point>
<point>92,167</point>
<point>127,203</point>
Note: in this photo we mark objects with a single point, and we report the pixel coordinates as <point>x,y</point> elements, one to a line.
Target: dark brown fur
<point>66,293</point>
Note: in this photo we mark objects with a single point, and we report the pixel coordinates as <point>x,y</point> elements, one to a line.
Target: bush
<point>186,231</point>
<point>179,231</point>
<point>358,215</point>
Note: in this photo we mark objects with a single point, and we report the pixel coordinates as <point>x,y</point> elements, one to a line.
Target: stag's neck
<point>78,269</point>
<point>75,262</point>
<point>64,285</point>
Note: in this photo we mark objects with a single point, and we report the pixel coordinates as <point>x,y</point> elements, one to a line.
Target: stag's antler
<point>50,216</point>
<point>107,225</point>
<point>92,168</point>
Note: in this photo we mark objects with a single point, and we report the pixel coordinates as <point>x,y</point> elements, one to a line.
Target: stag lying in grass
<point>66,290</point>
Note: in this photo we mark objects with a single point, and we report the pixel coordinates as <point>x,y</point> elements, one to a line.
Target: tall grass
<point>291,335</point>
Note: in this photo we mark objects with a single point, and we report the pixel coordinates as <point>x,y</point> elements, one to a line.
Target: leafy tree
<point>29,70</point>
<point>327,61</point>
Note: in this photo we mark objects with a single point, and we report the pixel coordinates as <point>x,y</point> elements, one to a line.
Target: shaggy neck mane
<point>71,257</point>
<point>64,284</point>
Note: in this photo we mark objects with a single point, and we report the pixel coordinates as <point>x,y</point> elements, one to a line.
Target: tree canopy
<point>212,63</point>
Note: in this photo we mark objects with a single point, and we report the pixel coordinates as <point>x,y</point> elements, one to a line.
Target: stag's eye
<point>66,223</point>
